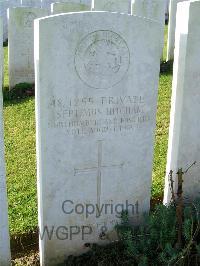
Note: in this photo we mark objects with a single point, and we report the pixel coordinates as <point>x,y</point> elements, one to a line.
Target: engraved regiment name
<point>91,115</point>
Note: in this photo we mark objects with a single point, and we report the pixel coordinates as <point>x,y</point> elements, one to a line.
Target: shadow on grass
<point>23,243</point>
<point>5,44</point>
<point>166,68</point>
<point>19,94</point>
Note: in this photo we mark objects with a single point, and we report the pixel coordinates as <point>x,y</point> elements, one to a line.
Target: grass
<point>21,160</point>
<point>161,139</point>
<point>162,126</point>
<point>20,164</point>
<point>19,123</point>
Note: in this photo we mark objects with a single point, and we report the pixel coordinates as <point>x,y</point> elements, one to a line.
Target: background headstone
<point>184,143</point>
<point>14,3</point>
<point>57,8</point>
<point>31,3</point>
<point>11,4</point>
<point>3,13</point>
<point>21,44</point>
<point>152,9</point>
<point>167,11</point>
<point>85,2</point>
<point>122,6</point>
<point>172,28</point>
<point>5,257</point>
<point>96,96</point>
<point>4,5</point>
<point>46,4</point>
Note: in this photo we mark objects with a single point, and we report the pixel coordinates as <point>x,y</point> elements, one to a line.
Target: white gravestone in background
<point>31,3</point>
<point>5,257</point>
<point>152,9</point>
<point>96,96</point>
<point>122,6</point>
<point>3,13</point>
<point>184,143</point>
<point>167,9</point>
<point>47,3</point>
<point>21,44</point>
<point>57,8</point>
<point>14,3</point>
<point>4,8</point>
<point>85,2</point>
<point>172,28</point>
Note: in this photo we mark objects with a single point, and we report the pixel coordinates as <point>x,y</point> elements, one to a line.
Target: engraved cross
<point>98,168</point>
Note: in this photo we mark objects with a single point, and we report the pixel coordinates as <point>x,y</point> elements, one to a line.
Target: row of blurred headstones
<point>20,29</point>
<point>46,4</point>
<point>5,4</point>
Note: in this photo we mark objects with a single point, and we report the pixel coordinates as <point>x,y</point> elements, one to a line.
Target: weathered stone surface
<point>167,8</point>
<point>5,257</point>
<point>3,14</point>
<point>31,3</point>
<point>21,44</point>
<point>57,8</point>
<point>47,3</point>
<point>122,6</point>
<point>96,96</point>
<point>172,28</point>
<point>184,144</point>
<point>152,9</point>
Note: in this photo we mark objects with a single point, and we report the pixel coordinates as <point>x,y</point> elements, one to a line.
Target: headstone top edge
<point>26,8</point>
<point>147,19</point>
<point>133,17</point>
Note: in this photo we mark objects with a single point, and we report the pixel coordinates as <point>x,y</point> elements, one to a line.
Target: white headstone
<point>57,8</point>
<point>3,13</point>
<point>14,3</point>
<point>21,44</point>
<point>47,3</point>
<point>122,6</point>
<point>172,28</point>
<point>152,9</point>
<point>167,11</point>
<point>184,143</point>
<point>167,6</point>
<point>96,95</point>
<point>4,5</point>
<point>5,258</point>
<point>31,3</point>
<point>85,2</point>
